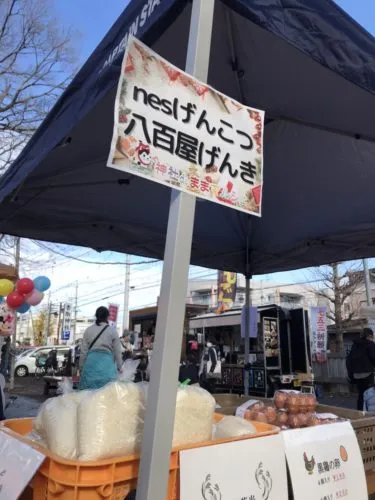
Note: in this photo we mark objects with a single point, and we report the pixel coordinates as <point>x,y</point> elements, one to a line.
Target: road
<point>29,392</point>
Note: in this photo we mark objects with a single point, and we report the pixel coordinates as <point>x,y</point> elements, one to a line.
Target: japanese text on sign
<point>319,334</point>
<point>198,141</point>
<point>325,463</point>
<point>226,291</point>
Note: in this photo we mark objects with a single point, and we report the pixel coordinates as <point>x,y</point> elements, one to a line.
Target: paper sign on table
<point>18,464</point>
<point>252,469</point>
<point>325,463</point>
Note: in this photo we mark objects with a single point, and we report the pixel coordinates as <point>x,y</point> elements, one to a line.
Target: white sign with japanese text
<point>325,463</point>
<point>18,464</point>
<point>318,322</point>
<point>175,130</point>
<point>251,469</point>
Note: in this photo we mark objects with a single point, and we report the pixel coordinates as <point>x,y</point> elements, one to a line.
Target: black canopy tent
<point>307,64</point>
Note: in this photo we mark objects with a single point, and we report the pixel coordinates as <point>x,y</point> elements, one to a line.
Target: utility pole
<point>125,318</point>
<point>367,282</point>
<point>75,314</point>
<point>14,336</point>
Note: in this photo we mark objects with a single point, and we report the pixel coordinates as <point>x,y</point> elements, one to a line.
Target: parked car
<point>25,362</point>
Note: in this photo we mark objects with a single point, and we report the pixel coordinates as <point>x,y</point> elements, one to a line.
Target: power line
<point>41,245</point>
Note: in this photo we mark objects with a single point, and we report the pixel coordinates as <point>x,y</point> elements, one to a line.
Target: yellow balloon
<point>6,286</point>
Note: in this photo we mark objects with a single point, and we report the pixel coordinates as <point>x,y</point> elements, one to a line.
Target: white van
<point>25,362</point>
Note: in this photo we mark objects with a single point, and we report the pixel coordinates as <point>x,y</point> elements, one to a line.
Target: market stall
<point>299,65</point>
<point>279,350</point>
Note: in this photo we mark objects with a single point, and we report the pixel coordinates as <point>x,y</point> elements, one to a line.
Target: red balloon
<point>25,286</point>
<point>15,299</point>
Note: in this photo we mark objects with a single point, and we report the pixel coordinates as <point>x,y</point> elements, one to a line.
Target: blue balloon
<point>1,299</point>
<point>23,309</point>
<point>42,283</point>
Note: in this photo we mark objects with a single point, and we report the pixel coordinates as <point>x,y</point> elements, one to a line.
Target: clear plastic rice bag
<point>110,421</point>
<point>233,427</point>
<point>195,409</point>
<point>55,419</point>
<point>59,423</point>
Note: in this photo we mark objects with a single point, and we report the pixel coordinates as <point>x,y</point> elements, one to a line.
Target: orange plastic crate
<point>111,479</point>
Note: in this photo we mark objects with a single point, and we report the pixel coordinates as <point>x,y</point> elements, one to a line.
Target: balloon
<point>6,286</point>
<point>34,298</point>
<point>41,283</point>
<point>1,299</point>
<point>23,309</point>
<point>25,286</point>
<point>15,299</point>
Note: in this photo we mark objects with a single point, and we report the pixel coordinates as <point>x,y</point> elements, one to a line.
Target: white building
<point>263,293</point>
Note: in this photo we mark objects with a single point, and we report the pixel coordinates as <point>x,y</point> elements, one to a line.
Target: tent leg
<point>159,420</point>
<point>247,332</point>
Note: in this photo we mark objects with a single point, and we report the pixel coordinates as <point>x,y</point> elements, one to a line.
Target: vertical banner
<point>253,322</point>
<point>226,291</point>
<point>319,334</point>
<point>113,314</point>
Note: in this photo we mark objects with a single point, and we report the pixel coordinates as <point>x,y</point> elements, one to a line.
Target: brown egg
<point>293,403</point>
<point>309,417</point>
<point>303,419</point>
<point>303,403</point>
<point>260,416</point>
<point>257,406</point>
<point>280,399</point>
<point>271,413</point>
<point>282,418</point>
<point>311,402</point>
<point>249,414</point>
<point>294,421</point>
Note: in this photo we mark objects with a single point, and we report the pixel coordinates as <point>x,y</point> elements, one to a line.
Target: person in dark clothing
<point>360,364</point>
<point>189,371</point>
<point>207,368</point>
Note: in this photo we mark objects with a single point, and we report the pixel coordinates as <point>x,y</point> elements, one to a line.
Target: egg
<point>282,418</point>
<point>271,413</point>
<point>293,403</point>
<point>280,399</point>
<point>294,421</point>
<point>260,416</point>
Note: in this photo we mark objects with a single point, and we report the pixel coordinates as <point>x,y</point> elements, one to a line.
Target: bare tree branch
<point>36,63</point>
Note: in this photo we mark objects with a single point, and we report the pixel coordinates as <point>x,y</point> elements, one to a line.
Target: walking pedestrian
<point>360,364</point>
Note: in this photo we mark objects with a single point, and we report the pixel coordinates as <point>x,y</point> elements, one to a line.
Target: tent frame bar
<point>162,391</point>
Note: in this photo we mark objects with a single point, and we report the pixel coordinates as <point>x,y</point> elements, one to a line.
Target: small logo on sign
<point>343,454</point>
<point>210,491</point>
<point>264,481</point>
<point>309,464</point>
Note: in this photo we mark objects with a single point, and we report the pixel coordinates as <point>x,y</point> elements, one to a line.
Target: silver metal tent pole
<point>247,332</point>
<point>159,420</point>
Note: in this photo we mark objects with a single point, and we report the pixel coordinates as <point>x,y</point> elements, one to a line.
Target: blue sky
<point>92,19</point>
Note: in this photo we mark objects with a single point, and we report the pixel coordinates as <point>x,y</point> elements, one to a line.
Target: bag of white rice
<point>59,423</point>
<point>38,425</point>
<point>233,427</point>
<point>110,421</point>
<point>194,414</point>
